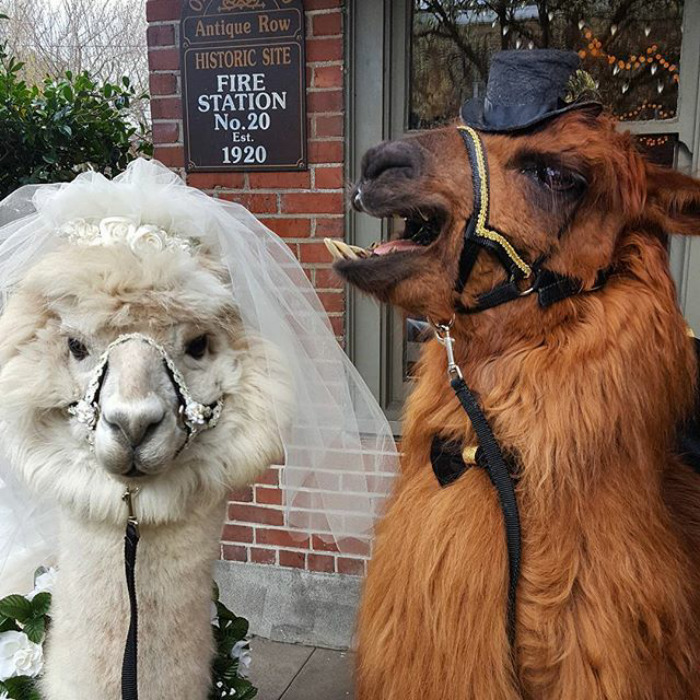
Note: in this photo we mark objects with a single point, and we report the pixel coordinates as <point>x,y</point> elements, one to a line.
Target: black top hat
<point>527,87</point>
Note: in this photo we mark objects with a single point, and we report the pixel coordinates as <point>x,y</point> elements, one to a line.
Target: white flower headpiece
<point>121,230</point>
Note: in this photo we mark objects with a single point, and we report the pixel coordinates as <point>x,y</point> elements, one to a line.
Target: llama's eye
<point>556,179</point>
<point>197,347</point>
<point>77,349</point>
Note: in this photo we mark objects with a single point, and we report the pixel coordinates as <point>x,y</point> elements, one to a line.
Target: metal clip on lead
<point>128,497</point>
<point>442,334</point>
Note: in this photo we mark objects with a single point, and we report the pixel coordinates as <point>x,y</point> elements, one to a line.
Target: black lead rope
<point>130,689</point>
<point>499,474</point>
<point>490,456</point>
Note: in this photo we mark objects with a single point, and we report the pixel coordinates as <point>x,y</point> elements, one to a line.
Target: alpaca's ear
<point>23,317</point>
<point>673,201</point>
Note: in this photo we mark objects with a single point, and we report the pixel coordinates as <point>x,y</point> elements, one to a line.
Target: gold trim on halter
<point>481,229</point>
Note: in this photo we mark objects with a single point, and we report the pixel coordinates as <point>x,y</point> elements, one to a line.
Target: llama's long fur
<point>96,294</point>
<point>587,395</point>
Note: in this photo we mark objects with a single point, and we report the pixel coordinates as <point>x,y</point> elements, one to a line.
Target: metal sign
<point>243,85</point>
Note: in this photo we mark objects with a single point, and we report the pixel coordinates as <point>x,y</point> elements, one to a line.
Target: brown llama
<point>585,394</point>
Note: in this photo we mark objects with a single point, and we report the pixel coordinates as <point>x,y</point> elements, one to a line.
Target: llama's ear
<point>673,201</point>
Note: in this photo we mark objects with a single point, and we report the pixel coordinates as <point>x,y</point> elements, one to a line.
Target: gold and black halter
<point>523,278</point>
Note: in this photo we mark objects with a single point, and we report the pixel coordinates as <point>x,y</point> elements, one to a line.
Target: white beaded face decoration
<point>195,416</point>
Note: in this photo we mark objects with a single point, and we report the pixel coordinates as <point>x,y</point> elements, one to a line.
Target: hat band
<point>507,116</point>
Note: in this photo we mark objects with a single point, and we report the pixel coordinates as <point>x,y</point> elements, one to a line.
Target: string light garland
<point>651,57</point>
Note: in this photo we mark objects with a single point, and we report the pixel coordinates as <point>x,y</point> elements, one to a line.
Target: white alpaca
<point>70,306</point>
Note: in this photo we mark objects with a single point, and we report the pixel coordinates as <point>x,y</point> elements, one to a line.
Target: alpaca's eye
<point>77,349</point>
<point>197,347</point>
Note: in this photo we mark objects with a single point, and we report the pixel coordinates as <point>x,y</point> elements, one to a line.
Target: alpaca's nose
<point>135,420</point>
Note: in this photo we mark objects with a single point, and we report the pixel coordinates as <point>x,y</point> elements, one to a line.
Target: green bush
<point>53,131</point>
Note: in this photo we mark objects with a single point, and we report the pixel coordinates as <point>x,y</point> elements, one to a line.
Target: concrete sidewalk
<point>296,672</point>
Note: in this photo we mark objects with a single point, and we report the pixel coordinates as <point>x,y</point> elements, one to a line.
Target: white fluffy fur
<point>96,294</point>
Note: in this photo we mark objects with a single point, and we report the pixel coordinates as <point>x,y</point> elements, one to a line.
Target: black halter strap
<point>523,278</point>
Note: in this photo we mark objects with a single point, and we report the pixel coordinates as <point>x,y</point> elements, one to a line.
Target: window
<point>414,63</point>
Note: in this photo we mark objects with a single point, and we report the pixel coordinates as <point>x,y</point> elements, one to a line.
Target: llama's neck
<point>91,614</point>
<point>580,392</point>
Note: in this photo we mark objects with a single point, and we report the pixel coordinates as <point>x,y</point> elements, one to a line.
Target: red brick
<point>234,552</point>
<point>164,59</point>
<point>322,546</point>
<point>319,562</point>
<point>172,156</point>
<point>312,202</point>
<point>237,533</point>
<point>166,132</point>
<point>325,151</point>
<point>159,10</point>
<point>327,24</point>
<point>270,477</point>
<point>257,203</point>
<point>161,35</point>
<point>360,548</point>
<point>263,556</point>
<point>281,180</point>
<point>324,50</point>
<point>338,325</point>
<point>330,228</point>
<point>354,567</point>
<point>281,538</point>
<point>325,101</point>
<point>328,76</point>
<point>328,279</point>
<point>271,497</point>
<point>333,302</point>
<point>329,178</point>
<point>210,181</point>
<point>321,4</point>
<point>289,228</point>
<point>314,253</point>
<point>255,514</point>
<point>295,560</point>
<point>165,84</point>
<point>242,495</point>
<point>166,108</point>
<point>329,126</point>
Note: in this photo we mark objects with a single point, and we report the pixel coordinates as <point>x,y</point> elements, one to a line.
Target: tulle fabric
<point>340,454</point>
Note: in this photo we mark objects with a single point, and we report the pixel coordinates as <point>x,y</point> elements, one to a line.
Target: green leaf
<point>41,604</point>
<point>244,689</point>
<point>8,625</point>
<point>22,688</point>
<point>35,629</point>
<point>17,607</point>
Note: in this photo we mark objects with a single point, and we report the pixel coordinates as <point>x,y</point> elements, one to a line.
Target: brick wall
<point>301,207</point>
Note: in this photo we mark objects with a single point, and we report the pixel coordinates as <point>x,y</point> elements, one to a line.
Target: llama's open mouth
<point>417,230</point>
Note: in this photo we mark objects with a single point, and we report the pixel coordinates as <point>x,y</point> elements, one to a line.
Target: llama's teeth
<point>332,247</point>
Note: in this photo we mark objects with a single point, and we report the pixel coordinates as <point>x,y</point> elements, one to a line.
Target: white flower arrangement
<point>19,656</point>
<point>24,621</point>
<point>44,582</point>
<point>120,230</point>
<point>241,653</point>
